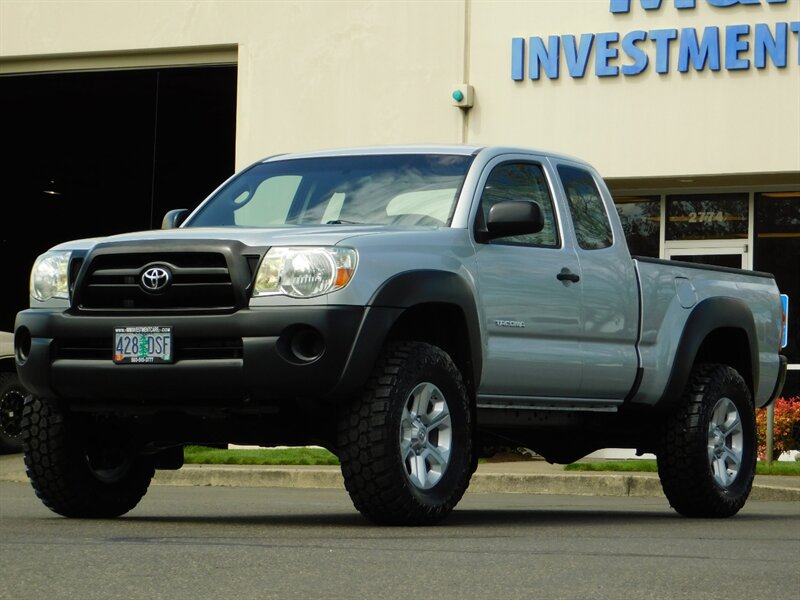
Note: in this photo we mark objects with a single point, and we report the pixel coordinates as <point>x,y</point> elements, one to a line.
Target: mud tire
<point>374,454</point>
<point>708,449</point>
<point>77,471</point>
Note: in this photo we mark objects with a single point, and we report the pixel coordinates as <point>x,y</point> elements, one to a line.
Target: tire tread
<point>61,477</point>
<point>369,468</point>
<point>682,462</point>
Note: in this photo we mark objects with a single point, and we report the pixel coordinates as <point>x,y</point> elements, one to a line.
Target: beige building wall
<point>311,74</point>
<point>321,74</point>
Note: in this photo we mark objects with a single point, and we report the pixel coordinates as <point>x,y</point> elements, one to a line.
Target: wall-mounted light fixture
<point>463,95</point>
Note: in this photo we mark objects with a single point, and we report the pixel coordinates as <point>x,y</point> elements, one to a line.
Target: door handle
<point>567,275</point>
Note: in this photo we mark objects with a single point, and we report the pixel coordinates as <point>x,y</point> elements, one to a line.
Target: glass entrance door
<point>736,257</point>
<point>710,229</point>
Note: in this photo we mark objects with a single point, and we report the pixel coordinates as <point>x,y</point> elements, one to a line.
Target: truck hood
<point>298,235</point>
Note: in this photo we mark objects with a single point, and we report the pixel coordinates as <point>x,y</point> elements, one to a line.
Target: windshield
<point>407,189</point>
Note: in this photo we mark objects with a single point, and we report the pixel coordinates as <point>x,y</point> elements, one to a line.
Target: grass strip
<point>640,465</point>
<point>260,456</point>
<point>320,456</point>
<point>762,468</point>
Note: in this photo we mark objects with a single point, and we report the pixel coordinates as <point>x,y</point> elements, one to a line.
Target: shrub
<point>786,431</point>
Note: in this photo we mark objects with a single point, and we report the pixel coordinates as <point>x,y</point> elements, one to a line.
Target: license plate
<point>142,345</point>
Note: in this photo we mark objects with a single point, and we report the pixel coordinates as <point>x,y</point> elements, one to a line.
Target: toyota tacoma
<point>409,308</point>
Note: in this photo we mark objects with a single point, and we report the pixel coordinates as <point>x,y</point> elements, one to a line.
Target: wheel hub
<point>425,436</point>
<point>11,413</point>
<point>725,442</point>
<point>718,442</point>
<point>419,436</point>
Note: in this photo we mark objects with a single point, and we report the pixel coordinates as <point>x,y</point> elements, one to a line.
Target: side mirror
<point>174,218</point>
<point>514,218</point>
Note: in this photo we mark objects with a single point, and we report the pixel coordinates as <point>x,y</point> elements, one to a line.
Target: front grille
<point>200,280</point>
<point>184,349</point>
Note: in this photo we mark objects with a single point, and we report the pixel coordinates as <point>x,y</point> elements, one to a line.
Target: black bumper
<point>783,367</point>
<point>248,356</point>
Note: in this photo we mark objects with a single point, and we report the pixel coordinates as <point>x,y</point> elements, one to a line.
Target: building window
<point>777,251</point>
<point>641,222</point>
<point>707,217</point>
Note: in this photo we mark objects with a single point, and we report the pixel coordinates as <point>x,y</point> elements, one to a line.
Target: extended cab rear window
<point>592,227</point>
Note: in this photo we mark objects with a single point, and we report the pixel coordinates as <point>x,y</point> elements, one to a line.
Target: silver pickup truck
<point>409,308</point>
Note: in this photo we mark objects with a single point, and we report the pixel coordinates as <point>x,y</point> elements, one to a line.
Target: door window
<point>519,182</point>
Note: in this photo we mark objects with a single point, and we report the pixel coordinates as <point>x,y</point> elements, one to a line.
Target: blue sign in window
<point>785,337</point>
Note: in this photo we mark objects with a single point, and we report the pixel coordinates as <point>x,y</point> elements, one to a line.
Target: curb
<point>481,483</point>
<point>607,484</point>
<point>569,484</point>
<point>612,484</point>
<point>235,476</point>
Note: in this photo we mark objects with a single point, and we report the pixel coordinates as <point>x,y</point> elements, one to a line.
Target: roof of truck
<point>452,149</point>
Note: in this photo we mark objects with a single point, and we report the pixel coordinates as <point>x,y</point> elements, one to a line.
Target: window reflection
<point>520,182</point>
<point>641,220</point>
<point>777,251</point>
<point>707,217</point>
<point>592,228</point>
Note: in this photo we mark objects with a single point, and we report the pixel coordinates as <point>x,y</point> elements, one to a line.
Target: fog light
<point>301,344</point>
<point>22,344</point>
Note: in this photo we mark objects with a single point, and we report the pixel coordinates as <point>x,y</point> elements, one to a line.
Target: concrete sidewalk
<point>525,477</point>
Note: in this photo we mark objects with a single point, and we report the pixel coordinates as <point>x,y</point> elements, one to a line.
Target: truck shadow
<point>460,519</point>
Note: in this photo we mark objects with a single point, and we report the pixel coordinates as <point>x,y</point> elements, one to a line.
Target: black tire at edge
<point>56,464</point>
<point>683,466</point>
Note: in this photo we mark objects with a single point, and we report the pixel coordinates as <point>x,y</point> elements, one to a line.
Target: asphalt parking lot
<point>220,542</point>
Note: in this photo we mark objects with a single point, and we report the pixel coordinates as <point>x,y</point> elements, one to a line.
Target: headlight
<point>305,272</point>
<point>49,276</point>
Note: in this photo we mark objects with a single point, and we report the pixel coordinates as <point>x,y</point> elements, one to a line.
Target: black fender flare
<point>707,316</point>
<point>390,300</point>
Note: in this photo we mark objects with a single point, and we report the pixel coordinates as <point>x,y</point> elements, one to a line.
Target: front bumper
<point>248,356</point>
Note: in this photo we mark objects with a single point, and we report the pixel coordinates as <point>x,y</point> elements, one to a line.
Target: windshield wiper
<point>343,222</point>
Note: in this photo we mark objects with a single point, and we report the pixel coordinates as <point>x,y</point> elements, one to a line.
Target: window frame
<point>489,169</point>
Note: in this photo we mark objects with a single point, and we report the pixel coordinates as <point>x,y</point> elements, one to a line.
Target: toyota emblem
<point>155,279</point>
